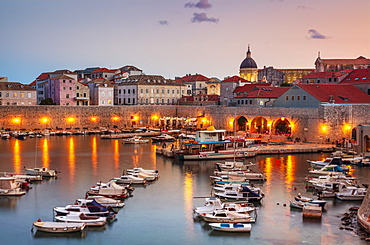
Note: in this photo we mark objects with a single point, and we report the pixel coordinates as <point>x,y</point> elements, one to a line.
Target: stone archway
<point>354,135</point>
<point>259,125</point>
<point>241,124</point>
<point>282,127</point>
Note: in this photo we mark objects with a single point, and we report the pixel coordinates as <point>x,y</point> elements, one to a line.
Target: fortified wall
<point>327,123</point>
<point>363,215</point>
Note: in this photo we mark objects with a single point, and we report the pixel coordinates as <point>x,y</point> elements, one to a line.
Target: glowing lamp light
<point>324,128</point>
<point>44,120</point>
<point>93,119</point>
<point>115,119</point>
<point>70,119</point>
<point>283,118</point>
<point>155,117</point>
<point>16,120</point>
<point>134,118</point>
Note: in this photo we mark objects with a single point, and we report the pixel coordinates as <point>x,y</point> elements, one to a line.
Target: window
<point>173,91</point>
<point>141,90</point>
<point>119,101</point>
<point>67,96</point>
<point>78,87</point>
<point>128,91</point>
<point>128,100</point>
<point>77,94</point>
<point>261,102</point>
<point>304,97</point>
<point>102,102</point>
<point>292,97</point>
<point>22,95</point>
<point>133,101</point>
<point>64,81</point>
<point>124,91</point>
<point>146,91</point>
<point>157,91</point>
<point>102,93</point>
<point>109,94</point>
<point>298,97</point>
<point>64,88</point>
<point>70,81</point>
<point>168,91</point>
<point>14,94</point>
<point>162,91</point>
<point>250,102</point>
<point>133,90</point>
<point>70,88</point>
<point>178,91</point>
<point>162,101</point>
<point>287,97</point>
<point>29,95</point>
<point>109,102</point>
<point>157,101</point>
<point>119,91</point>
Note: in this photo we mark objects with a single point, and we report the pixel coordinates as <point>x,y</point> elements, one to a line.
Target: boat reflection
<point>72,235</point>
<point>17,157</point>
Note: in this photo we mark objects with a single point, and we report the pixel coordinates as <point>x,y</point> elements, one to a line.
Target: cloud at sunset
<point>202,17</point>
<point>202,4</point>
<point>316,35</point>
<point>163,22</point>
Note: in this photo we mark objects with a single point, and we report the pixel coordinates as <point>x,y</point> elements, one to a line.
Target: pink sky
<point>174,38</point>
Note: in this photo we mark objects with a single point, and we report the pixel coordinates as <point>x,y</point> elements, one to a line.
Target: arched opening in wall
<point>241,124</point>
<point>366,143</point>
<point>353,135</point>
<point>259,125</point>
<point>282,127</point>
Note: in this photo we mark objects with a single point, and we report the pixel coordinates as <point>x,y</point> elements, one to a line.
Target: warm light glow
<point>71,158</point>
<point>134,118</point>
<point>283,118</point>
<point>115,118</point>
<point>155,117</point>
<point>324,128</point>
<point>16,120</point>
<point>71,119</point>
<point>45,153</point>
<point>188,199</point>
<point>346,127</point>
<point>44,120</point>
<point>17,161</point>
<point>93,119</point>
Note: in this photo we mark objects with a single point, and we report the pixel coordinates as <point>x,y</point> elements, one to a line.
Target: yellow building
<point>213,86</point>
<point>248,68</point>
<point>291,75</point>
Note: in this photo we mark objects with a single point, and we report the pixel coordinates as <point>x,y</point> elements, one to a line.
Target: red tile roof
<point>359,61</point>
<point>193,78</point>
<point>235,79</point>
<point>103,70</point>
<point>342,94</point>
<point>327,74</point>
<point>264,92</point>
<point>357,76</point>
<point>43,76</point>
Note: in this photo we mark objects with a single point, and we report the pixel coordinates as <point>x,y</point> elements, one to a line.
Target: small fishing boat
<point>233,166</point>
<point>10,187</point>
<point>82,218</point>
<point>243,193</point>
<point>357,194</point>
<point>144,171</point>
<point>231,227</point>
<point>110,189</point>
<point>58,227</point>
<point>300,198</point>
<point>249,175</point>
<point>45,172</point>
<point>163,138</point>
<point>130,179</point>
<point>135,140</point>
<point>214,203</point>
<point>87,207</point>
<point>296,204</point>
<point>224,216</point>
<point>327,170</point>
<point>104,201</point>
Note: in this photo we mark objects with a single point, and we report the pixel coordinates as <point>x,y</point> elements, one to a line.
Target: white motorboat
<point>58,227</point>
<point>110,189</point>
<point>88,207</point>
<point>231,227</point>
<point>214,203</point>
<point>9,186</point>
<point>135,140</point>
<point>104,201</point>
<point>163,138</point>
<point>328,161</point>
<point>227,217</point>
<point>352,195</point>
<point>327,170</point>
<point>143,171</point>
<point>82,218</point>
<point>243,193</point>
<point>233,166</point>
<point>300,198</point>
<point>130,179</point>
<point>228,178</point>
<point>249,175</point>
<point>45,172</point>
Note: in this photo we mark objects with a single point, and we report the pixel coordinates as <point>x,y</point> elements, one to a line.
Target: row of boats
<point>231,207</point>
<point>100,204</point>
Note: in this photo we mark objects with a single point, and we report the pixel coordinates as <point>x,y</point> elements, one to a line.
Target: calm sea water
<point>159,213</point>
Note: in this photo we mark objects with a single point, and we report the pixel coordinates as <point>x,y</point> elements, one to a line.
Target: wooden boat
<point>296,204</point>
<point>232,166</point>
<point>211,144</point>
<point>321,203</point>
<point>227,217</point>
<point>82,218</point>
<point>231,227</point>
<point>135,140</point>
<point>58,227</point>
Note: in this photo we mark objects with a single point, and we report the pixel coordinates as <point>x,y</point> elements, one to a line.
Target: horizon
<point>175,38</point>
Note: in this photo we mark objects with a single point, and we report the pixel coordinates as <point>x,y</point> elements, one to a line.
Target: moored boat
<point>223,216</point>
<point>163,138</point>
<point>82,218</point>
<point>231,227</point>
<point>58,227</point>
<point>300,198</point>
<point>135,140</point>
<point>357,194</point>
<point>45,172</point>
<point>130,179</point>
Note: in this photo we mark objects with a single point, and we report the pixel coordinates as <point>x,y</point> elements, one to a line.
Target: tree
<point>47,101</point>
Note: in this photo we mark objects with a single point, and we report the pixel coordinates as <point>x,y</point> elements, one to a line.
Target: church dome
<point>248,62</point>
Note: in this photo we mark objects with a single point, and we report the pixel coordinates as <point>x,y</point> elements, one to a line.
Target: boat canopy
<point>94,206</point>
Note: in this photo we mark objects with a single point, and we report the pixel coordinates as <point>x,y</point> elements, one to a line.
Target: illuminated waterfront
<point>160,213</point>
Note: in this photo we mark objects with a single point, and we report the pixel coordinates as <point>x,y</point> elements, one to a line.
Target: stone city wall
<point>327,123</point>
<point>363,215</point>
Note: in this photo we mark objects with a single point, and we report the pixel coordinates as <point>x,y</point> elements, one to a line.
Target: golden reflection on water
<point>94,155</point>
<point>116,145</point>
<point>17,157</point>
<point>290,170</point>
<point>188,199</point>
<point>45,153</point>
<point>135,159</point>
<point>71,158</point>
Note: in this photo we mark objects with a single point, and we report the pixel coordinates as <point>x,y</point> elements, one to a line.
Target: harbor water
<point>160,212</point>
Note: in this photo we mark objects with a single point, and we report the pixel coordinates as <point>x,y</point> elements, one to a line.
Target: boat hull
<point>229,220</point>
<point>231,227</point>
<point>215,155</point>
<point>58,227</point>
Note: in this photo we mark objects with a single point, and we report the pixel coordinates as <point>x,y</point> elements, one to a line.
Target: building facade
<point>323,65</point>
<point>13,93</point>
<point>248,68</point>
